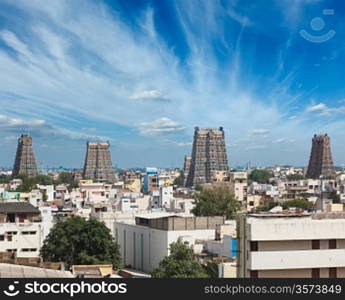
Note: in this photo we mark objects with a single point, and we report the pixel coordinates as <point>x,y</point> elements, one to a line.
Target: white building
<point>238,182</point>
<point>20,229</point>
<point>166,194</point>
<point>94,192</point>
<point>144,244</point>
<point>47,220</point>
<point>291,245</point>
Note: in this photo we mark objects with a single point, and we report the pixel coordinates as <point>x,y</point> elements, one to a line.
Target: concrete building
<point>151,180</point>
<point>291,245</point>
<point>20,229</point>
<point>166,195</point>
<point>144,244</point>
<point>94,192</point>
<point>239,184</point>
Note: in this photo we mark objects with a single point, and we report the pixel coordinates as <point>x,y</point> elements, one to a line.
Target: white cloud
<point>42,128</point>
<point>324,110</point>
<point>278,141</point>
<point>160,126</point>
<point>7,122</point>
<point>78,59</point>
<point>149,94</point>
<point>256,147</point>
<point>317,107</point>
<point>259,131</point>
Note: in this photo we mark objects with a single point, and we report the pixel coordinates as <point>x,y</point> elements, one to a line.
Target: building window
<point>2,237</point>
<point>29,250</point>
<point>254,274</point>
<point>332,272</point>
<point>254,246</point>
<point>21,218</point>
<point>28,232</point>
<point>11,250</point>
<point>12,232</point>
<point>11,218</point>
<point>332,244</point>
<point>315,244</point>
<point>315,273</point>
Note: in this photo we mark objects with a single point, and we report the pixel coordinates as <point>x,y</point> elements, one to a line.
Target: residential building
<point>146,242</point>
<point>291,244</point>
<point>20,229</point>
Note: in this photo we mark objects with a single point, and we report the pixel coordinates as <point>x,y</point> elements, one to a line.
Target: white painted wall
<point>21,241</point>
<point>143,247</point>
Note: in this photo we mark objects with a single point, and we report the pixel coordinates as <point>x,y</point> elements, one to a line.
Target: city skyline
<point>143,74</point>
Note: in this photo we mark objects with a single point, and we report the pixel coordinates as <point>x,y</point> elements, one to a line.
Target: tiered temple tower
<point>25,163</point>
<point>321,162</point>
<point>98,164</point>
<point>208,155</point>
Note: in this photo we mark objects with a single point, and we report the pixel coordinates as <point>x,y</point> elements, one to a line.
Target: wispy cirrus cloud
<point>71,63</point>
<point>162,126</point>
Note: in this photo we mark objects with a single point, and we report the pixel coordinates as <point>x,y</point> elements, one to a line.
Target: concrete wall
<point>143,248</point>
<point>22,241</point>
<point>279,229</point>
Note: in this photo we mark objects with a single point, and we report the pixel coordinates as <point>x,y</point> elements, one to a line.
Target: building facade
<point>20,229</point>
<point>144,244</point>
<point>291,245</point>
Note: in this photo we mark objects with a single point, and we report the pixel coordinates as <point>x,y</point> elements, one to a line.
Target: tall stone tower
<point>208,155</point>
<point>321,162</point>
<point>98,164</point>
<point>25,162</point>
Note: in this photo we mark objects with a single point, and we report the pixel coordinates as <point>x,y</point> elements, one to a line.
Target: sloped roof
<point>18,207</point>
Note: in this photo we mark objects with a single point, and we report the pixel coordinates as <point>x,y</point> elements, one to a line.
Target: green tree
<point>298,203</point>
<point>179,264</point>
<point>334,196</point>
<point>5,178</point>
<point>68,179</point>
<point>295,177</point>
<point>179,181</point>
<point>27,185</point>
<point>260,176</point>
<point>65,177</point>
<point>44,195</point>
<point>44,179</point>
<point>267,207</point>
<point>216,201</point>
<point>80,241</point>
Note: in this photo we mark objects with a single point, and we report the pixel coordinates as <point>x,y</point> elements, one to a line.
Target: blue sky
<point>143,74</point>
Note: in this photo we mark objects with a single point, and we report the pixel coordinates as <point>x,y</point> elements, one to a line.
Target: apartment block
<point>20,229</point>
<point>291,245</point>
<point>145,243</point>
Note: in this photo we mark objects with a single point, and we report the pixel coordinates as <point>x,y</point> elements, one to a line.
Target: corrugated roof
<point>18,207</point>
